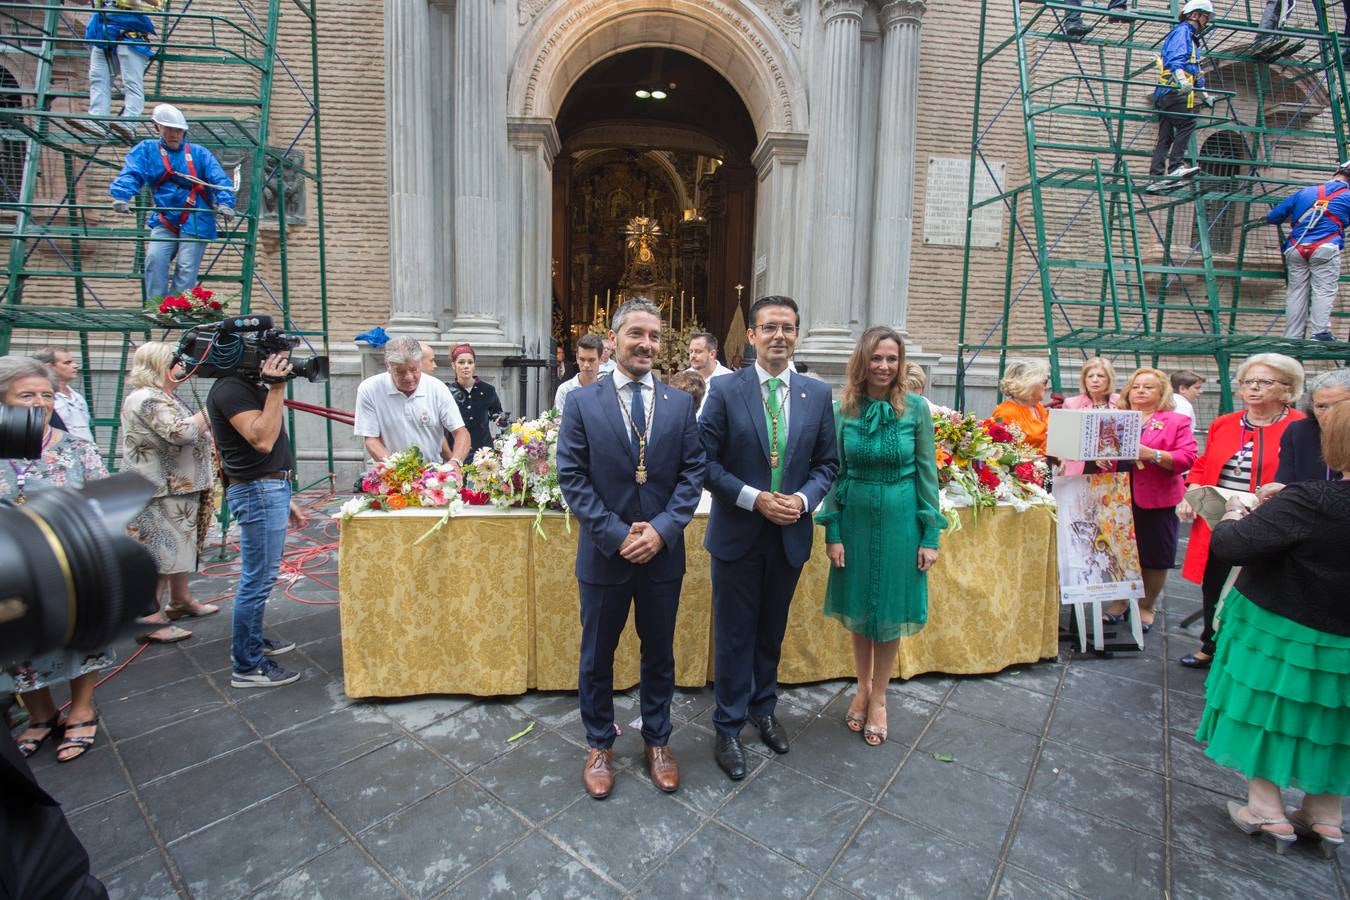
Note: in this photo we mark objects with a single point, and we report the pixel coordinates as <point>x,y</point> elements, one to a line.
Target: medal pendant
<point>773,460</point>
<point>640,476</point>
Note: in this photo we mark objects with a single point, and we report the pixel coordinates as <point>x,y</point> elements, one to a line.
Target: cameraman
<point>255,457</point>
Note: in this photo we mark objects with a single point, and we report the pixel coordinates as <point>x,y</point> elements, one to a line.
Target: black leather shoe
<point>771,732</point>
<point>1191,661</point>
<point>730,753</point>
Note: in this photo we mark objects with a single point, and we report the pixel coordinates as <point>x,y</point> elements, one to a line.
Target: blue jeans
<point>261,509</point>
<point>132,65</point>
<point>186,257</point>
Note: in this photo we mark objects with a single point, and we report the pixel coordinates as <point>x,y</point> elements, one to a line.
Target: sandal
<point>83,743</point>
<point>855,720</point>
<point>1261,826</point>
<point>170,634</point>
<point>874,735</point>
<point>193,610</point>
<point>1306,826</point>
<point>29,746</point>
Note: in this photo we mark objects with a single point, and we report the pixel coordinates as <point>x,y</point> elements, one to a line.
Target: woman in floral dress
<point>66,461</point>
<point>171,446</point>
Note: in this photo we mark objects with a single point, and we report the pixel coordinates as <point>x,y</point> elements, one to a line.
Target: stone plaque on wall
<point>944,209</point>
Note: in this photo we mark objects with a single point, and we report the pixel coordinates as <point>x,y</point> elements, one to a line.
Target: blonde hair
<point>916,380</point>
<point>1021,377</point>
<point>1097,362</point>
<point>855,376</point>
<point>151,364</point>
<point>1164,386</point>
<point>1290,370</point>
<point>1336,437</point>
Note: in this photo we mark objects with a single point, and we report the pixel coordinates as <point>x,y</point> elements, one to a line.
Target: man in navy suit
<point>630,464</point>
<point>768,433</point>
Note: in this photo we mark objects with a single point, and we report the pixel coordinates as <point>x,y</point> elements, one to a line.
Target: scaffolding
<point>1109,267</point>
<point>74,267</point>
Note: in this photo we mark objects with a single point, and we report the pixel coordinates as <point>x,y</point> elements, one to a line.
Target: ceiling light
<point>642,94</point>
<point>658,95</point>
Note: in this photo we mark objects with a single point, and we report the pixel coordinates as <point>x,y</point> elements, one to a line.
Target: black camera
<point>70,576</point>
<point>238,346</point>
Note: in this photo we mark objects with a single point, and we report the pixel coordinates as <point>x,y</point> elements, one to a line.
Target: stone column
<point>477,182</point>
<point>778,232</point>
<point>407,51</point>
<point>829,340</point>
<point>893,217</point>
<point>534,145</point>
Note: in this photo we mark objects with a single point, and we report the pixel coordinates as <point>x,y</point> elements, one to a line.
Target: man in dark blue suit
<point>769,437</point>
<point>630,464</point>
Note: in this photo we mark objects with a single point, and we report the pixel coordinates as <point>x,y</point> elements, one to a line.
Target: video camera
<point>238,346</point>
<point>70,576</point>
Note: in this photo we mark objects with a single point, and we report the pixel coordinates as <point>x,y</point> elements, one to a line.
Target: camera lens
<point>21,430</point>
<point>69,574</point>
<point>314,369</point>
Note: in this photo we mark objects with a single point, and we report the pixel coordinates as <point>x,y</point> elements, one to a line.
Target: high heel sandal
<point>1307,827</point>
<point>83,744</point>
<point>29,746</point>
<point>1258,827</point>
<point>855,721</point>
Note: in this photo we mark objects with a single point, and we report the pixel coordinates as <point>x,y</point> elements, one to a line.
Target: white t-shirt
<point>707,385</point>
<point>74,411</point>
<point>1183,406</point>
<point>567,387</point>
<point>400,421</point>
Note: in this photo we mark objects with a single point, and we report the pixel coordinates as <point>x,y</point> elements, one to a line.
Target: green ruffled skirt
<point>1277,700</point>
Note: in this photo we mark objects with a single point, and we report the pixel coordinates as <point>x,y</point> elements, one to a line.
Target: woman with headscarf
<point>478,402</point>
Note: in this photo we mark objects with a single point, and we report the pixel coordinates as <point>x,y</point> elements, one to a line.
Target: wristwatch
<point>1157,457</point>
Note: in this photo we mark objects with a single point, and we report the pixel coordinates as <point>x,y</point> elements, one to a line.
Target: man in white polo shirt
<point>400,409</point>
<point>70,403</point>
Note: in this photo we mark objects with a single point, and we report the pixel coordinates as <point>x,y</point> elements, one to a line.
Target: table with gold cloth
<point>487,605</point>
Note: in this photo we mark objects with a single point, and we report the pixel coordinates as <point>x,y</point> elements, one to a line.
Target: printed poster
<point>1098,557</point>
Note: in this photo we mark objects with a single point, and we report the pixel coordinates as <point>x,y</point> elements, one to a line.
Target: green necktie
<point>773,423</point>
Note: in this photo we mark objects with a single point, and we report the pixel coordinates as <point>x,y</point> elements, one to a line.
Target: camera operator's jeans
<point>186,258</point>
<point>261,508</point>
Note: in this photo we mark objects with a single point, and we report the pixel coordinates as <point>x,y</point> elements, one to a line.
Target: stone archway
<point>565,39</point>
<point>745,48</point>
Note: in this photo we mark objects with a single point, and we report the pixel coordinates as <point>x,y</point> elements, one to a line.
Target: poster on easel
<point>1096,434</point>
<point>1098,556</point>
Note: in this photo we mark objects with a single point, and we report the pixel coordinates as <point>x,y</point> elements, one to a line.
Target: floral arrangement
<point>405,479</point>
<point>984,462</point>
<point>198,304</point>
<point>520,469</point>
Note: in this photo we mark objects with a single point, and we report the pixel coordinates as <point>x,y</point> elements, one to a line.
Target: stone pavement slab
<point>1071,778</point>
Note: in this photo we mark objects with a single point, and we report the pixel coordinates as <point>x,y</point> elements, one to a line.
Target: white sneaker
<point>1183,171</point>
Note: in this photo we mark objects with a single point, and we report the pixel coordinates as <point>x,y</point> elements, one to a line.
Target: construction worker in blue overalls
<point>1312,252</point>
<point>1181,86</point>
<point>119,35</point>
<point>189,188</point>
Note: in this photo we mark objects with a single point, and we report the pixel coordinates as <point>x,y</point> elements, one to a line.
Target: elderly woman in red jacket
<point>1167,450</point>
<point>1241,454</point>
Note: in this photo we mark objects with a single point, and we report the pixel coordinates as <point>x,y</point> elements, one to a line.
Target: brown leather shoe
<point>599,773</point>
<point>664,771</point>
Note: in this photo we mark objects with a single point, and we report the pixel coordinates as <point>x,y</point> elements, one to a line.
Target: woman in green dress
<point>881,520</point>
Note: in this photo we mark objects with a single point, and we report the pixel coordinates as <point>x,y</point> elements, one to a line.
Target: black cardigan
<point>1293,552</point>
<point>1301,454</point>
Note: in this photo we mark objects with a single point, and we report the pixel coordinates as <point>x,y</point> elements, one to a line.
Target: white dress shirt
<point>748,493</point>
<point>621,382</point>
<point>74,411</point>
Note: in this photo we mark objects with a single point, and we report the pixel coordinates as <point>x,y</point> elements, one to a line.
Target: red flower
<point>202,293</point>
<point>997,432</point>
<point>171,303</point>
<point>1027,471</point>
<point>473,498</point>
<point>215,305</point>
<point>988,479</point>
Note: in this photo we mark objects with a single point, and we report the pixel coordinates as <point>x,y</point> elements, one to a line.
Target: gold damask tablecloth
<point>489,606</point>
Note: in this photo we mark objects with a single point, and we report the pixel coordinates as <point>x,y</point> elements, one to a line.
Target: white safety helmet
<point>169,117</point>
<point>1343,168</point>
<point>1204,6</point>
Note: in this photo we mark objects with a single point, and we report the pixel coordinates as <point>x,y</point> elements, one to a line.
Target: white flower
<point>354,506</point>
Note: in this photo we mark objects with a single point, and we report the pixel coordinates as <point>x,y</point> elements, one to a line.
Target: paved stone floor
<point>1068,778</point>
